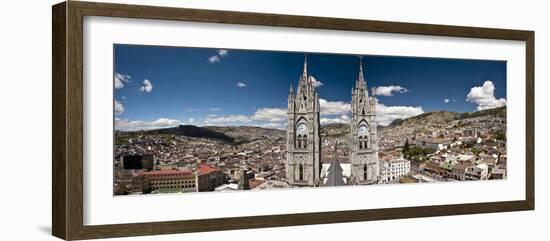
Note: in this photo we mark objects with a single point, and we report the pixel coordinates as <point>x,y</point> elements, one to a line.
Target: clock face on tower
<point>301,129</point>
<point>362,130</point>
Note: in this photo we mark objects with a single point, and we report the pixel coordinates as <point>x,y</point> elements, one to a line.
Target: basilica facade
<point>303,161</point>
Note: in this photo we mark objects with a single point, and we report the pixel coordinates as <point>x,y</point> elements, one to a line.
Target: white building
<point>393,169</point>
<point>433,143</point>
<point>484,171</point>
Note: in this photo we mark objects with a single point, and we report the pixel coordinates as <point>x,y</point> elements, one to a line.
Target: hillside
<point>429,118</point>
<point>335,130</point>
<point>229,134</point>
<point>248,133</point>
<point>436,120</point>
<point>496,112</point>
<point>417,123</point>
<point>189,131</point>
<point>444,117</point>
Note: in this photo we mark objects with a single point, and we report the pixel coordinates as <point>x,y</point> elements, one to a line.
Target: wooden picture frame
<point>67,123</point>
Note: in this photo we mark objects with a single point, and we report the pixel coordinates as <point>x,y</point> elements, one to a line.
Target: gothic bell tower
<point>363,137</point>
<point>303,157</point>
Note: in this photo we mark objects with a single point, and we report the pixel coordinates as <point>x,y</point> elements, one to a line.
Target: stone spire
<point>361,80</point>
<point>305,66</point>
<point>304,85</point>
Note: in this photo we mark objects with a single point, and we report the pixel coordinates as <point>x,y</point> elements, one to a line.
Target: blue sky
<point>158,87</point>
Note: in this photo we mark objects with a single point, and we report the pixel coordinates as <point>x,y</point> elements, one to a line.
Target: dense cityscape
<point>432,147</point>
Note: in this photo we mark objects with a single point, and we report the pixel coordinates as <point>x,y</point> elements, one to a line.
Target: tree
<point>501,136</point>
<point>476,151</point>
<point>406,148</point>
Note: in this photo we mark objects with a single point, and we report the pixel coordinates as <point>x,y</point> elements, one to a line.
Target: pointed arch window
<point>365,168</point>
<point>301,137</point>
<point>301,141</point>
<point>300,172</point>
<point>363,132</point>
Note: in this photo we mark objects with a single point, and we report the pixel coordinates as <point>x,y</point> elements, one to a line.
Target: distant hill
<point>395,122</point>
<point>335,130</point>
<point>426,120</point>
<point>229,134</point>
<point>429,118</point>
<point>495,112</point>
<point>192,131</point>
<point>248,133</point>
<point>439,118</point>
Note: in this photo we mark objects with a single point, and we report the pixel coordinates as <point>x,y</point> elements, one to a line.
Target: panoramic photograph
<point>192,119</point>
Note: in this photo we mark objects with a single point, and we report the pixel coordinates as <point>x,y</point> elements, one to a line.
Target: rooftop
<point>446,165</point>
<point>166,172</point>
<point>205,169</point>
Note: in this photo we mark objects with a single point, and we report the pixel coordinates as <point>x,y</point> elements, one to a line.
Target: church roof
<point>335,176</point>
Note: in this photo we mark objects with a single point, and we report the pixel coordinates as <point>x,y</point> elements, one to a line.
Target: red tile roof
<point>205,169</point>
<point>253,183</point>
<point>165,172</point>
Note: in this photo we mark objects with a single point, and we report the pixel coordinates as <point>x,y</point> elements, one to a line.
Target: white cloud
<point>119,108</point>
<point>120,80</point>
<point>446,100</point>
<point>191,120</point>
<point>147,86</point>
<point>127,125</point>
<point>315,82</point>
<point>214,109</point>
<point>241,84</point>
<point>273,125</point>
<point>343,119</point>
<point>484,96</point>
<point>222,52</point>
<point>227,120</point>
<point>218,56</point>
<point>338,111</point>
<point>334,107</point>
<point>118,83</point>
<point>214,59</point>
<point>386,114</point>
<point>389,90</point>
<point>263,117</point>
<point>270,114</point>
